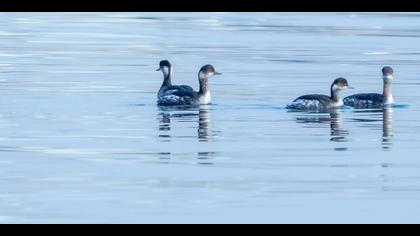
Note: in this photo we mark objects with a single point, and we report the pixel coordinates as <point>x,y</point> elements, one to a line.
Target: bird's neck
<point>335,95</point>
<point>204,86</point>
<point>388,92</point>
<point>167,79</point>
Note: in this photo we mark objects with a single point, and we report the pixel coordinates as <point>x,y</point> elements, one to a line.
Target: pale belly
<point>338,104</point>
<point>206,99</point>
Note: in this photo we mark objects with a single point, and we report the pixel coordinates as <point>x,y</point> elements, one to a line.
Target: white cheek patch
<point>336,87</point>
<point>165,70</point>
<point>203,75</point>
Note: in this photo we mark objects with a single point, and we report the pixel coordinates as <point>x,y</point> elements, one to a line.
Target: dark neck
<point>335,94</point>
<point>204,86</point>
<point>167,80</point>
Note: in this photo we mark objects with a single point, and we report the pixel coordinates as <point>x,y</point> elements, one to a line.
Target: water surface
<point>82,140</point>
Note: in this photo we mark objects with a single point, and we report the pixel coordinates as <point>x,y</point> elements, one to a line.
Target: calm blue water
<point>82,140</point>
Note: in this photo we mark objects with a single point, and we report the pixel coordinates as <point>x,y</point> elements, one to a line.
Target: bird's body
<point>374,100</point>
<point>365,100</point>
<point>314,102</point>
<point>177,95</point>
<point>321,102</point>
<point>184,95</point>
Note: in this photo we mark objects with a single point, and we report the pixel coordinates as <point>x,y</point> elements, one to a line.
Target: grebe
<point>166,68</point>
<point>374,100</point>
<point>185,95</point>
<point>322,102</point>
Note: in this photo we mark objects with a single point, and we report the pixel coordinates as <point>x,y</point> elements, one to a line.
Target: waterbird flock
<point>184,95</point>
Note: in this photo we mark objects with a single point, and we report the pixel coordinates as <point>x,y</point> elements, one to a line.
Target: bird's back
<point>177,95</point>
<point>365,100</point>
<point>311,102</point>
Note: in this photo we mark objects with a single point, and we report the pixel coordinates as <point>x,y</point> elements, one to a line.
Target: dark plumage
<point>321,102</point>
<point>365,100</point>
<point>167,88</point>
<point>185,95</point>
<point>176,95</point>
<point>374,100</point>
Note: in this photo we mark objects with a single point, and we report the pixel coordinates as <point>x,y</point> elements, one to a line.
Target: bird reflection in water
<point>387,129</point>
<point>385,116</point>
<point>168,116</point>
<point>205,158</point>
<point>203,125</point>
<point>338,134</point>
<point>165,126</point>
<point>332,117</point>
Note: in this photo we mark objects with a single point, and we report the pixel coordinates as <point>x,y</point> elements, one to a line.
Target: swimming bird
<point>321,102</point>
<point>166,68</point>
<point>170,95</point>
<point>374,100</point>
